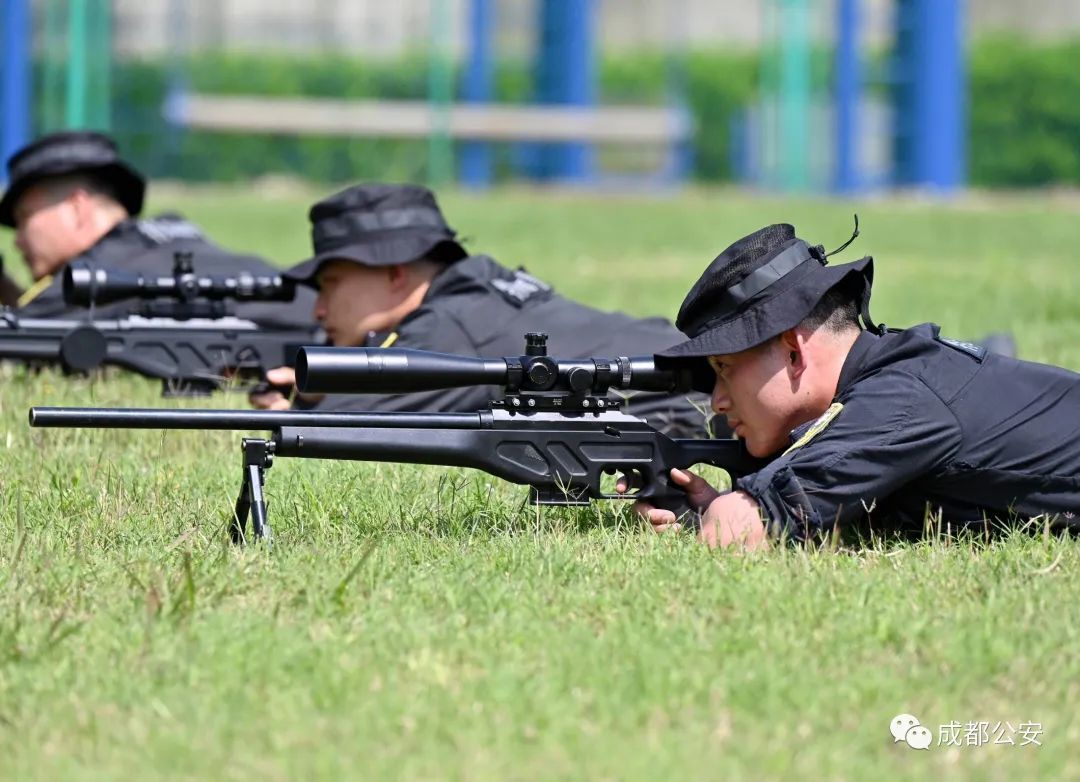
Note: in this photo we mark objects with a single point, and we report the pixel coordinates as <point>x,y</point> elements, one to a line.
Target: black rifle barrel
<point>325,370</point>
<point>155,418</point>
<point>84,285</point>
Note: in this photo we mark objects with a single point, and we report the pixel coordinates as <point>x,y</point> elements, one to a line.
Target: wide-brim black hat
<point>759,287</point>
<point>376,225</point>
<point>71,152</point>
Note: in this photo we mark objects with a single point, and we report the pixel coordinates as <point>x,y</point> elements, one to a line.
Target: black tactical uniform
<point>927,428</point>
<point>478,308</point>
<point>920,427</point>
<point>150,246</point>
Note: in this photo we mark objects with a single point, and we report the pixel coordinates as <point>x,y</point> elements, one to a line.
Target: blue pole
<point>940,150</point>
<point>476,88</point>
<point>566,75</point>
<point>902,83</point>
<point>930,108</point>
<point>14,80</point>
<point>846,97</point>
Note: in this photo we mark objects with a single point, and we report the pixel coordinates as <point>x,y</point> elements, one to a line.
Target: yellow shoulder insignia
<point>817,428</point>
<point>34,290</point>
<point>390,340</point>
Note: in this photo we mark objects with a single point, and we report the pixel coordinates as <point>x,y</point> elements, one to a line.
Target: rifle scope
<point>84,285</point>
<point>399,370</point>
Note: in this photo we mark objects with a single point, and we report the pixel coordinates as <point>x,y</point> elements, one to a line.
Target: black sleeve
<point>890,430</point>
<point>430,329</point>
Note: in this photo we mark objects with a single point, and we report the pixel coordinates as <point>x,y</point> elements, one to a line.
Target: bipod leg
<point>258,458</point>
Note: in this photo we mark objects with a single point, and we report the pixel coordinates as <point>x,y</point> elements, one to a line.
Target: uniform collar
<point>459,276</point>
<point>856,357</point>
<point>466,273</point>
<point>853,365</point>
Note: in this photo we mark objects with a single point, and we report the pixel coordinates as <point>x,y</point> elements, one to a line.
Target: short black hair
<point>838,309</point>
<point>93,182</point>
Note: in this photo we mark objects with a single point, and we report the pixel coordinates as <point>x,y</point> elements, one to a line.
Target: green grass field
<point>418,623</point>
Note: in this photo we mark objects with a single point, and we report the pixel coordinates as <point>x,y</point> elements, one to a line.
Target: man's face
<point>49,230</point>
<point>755,391</point>
<point>354,300</point>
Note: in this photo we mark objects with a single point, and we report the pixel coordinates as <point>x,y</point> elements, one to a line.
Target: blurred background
<point>794,96</point>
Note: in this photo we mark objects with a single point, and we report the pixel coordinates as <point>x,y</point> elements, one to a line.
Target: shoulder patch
<point>817,427</point>
<point>975,351</point>
<point>521,288</point>
<point>160,230</point>
<point>34,291</point>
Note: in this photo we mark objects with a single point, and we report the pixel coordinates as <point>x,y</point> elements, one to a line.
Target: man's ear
<point>399,275</point>
<point>792,343</point>
<point>84,205</point>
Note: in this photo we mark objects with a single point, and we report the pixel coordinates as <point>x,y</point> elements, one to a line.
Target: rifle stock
<point>562,462</point>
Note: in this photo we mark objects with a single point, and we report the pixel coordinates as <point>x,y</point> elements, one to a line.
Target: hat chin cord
<point>864,314</point>
<point>864,300</point>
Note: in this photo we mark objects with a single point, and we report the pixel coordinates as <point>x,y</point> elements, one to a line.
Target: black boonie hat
<point>375,225</point>
<point>759,287</point>
<point>71,152</point>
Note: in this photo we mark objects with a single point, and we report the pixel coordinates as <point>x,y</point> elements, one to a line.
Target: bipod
<point>258,458</point>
